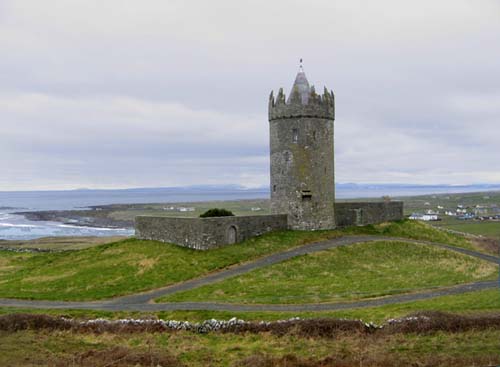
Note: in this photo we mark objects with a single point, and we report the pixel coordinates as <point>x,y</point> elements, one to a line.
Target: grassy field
<point>346,273</point>
<point>364,270</point>
<point>414,230</point>
<point>67,348</point>
<point>238,207</point>
<point>132,265</point>
<point>59,243</point>
<point>127,266</point>
<point>484,228</point>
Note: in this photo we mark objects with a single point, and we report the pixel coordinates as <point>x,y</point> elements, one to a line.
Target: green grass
<point>412,229</point>
<point>66,243</point>
<point>488,229</point>
<point>346,273</point>
<point>132,265</point>
<point>479,302</point>
<point>127,266</point>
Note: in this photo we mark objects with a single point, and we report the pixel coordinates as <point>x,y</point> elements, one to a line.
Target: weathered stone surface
<point>363,213</point>
<point>207,233</point>
<point>302,165</point>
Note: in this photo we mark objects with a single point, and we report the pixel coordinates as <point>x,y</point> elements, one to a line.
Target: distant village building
<point>466,216</point>
<point>179,209</point>
<point>183,209</point>
<point>424,217</point>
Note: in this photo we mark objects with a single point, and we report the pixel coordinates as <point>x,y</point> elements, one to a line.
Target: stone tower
<point>302,166</point>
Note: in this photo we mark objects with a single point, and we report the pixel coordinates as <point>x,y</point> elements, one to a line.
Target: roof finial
<point>301,69</point>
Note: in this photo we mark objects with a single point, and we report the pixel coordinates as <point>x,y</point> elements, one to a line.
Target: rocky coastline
<point>98,217</point>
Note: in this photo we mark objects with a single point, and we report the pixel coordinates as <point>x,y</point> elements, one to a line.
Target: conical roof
<point>301,86</point>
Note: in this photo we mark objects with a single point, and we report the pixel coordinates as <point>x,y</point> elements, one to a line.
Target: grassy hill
<point>132,265</point>
<point>127,266</point>
<point>360,271</point>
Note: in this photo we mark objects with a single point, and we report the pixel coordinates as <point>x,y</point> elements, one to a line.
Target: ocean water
<point>16,227</point>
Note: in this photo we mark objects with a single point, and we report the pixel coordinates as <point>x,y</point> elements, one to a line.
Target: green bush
<point>216,212</point>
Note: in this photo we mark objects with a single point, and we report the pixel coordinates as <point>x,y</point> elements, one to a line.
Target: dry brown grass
<point>118,357</point>
<point>375,360</point>
<point>434,321</point>
<point>488,245</point>
<point>145,265</point>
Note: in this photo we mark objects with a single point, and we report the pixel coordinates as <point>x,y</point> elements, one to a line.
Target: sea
<point>17,227</point>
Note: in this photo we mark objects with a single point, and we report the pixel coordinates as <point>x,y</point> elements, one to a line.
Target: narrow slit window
<point>306,195</point>
<point>295,133</point>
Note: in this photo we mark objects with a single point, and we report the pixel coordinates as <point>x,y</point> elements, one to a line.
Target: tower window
<point>274,188</point>
<point>295,133</point>
<point>306,195</point>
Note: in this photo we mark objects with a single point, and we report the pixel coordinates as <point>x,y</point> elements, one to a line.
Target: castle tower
<point>302,166</point>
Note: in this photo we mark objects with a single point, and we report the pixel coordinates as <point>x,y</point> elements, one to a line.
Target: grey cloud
<point>127,93</point>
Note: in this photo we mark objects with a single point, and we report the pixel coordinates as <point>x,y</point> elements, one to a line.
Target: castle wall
<point>209,233</point>
<point>206,233</point>
<point>363,213</point>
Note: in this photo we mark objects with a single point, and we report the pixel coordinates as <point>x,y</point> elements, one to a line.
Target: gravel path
<point>143,301</point>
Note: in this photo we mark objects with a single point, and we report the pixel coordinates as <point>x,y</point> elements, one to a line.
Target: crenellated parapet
<point>302,105</point>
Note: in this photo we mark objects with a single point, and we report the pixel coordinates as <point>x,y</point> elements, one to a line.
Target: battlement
<point>310,104</point>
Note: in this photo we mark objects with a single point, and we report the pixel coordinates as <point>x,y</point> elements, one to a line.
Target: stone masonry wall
<point>302,172</point>
<point>207,233</point>
<point>302,164</point>
<point>363,213</point>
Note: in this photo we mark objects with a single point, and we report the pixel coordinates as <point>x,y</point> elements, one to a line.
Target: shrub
<point>216,212</point>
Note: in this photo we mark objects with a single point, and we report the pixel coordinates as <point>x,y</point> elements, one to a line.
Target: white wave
<point>19,225</point>
<point>91,228</point>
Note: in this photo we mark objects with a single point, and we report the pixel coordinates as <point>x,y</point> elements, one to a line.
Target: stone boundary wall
<point>363,213</point>
<point>207,233</point>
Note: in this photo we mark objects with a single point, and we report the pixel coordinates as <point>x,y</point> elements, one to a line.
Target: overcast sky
<point>118,93</point>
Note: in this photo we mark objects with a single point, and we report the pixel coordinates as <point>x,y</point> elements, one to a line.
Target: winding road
<point>144,301</point>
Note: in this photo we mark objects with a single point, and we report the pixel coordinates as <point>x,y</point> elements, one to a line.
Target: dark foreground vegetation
<point>421,339</point>
<point>419,323</point>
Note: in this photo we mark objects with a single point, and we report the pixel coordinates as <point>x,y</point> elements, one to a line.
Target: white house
<point>424,217</point>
